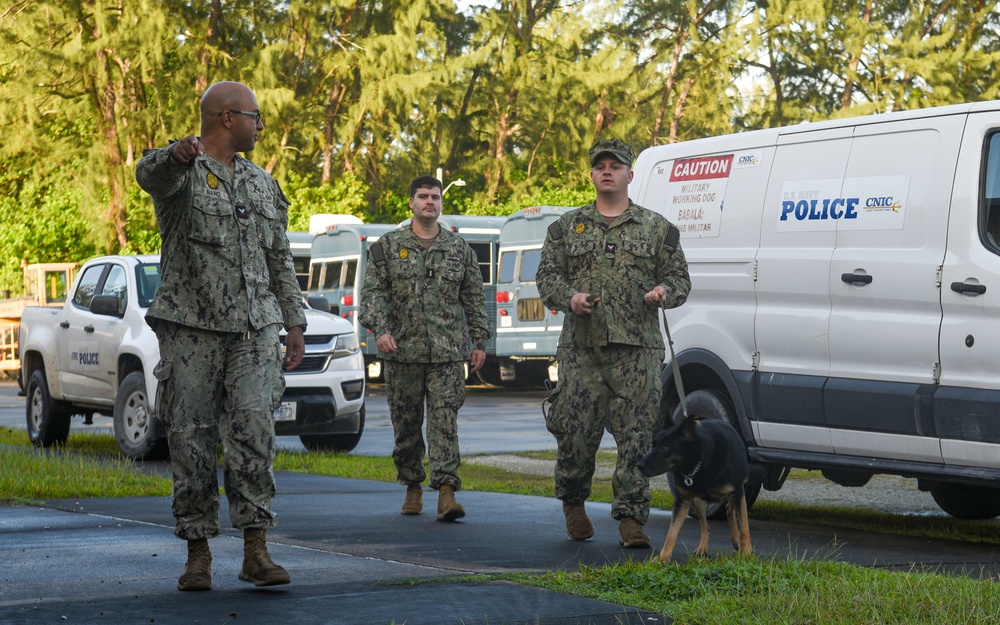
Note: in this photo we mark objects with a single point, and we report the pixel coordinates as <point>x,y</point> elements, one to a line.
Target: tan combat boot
<point>448,508</point>
<point>632,535</point>
<point>414,503</point>
<point>578,526</point>
<point>257,564</point>
<point>197,573</point>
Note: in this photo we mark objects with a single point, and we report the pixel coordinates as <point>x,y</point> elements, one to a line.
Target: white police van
<point>845,297</point>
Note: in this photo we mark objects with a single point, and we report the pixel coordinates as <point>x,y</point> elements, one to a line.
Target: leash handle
<point>673,362</point>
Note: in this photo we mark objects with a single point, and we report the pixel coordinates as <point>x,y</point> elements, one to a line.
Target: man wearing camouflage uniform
<point>423,300</point>
<point>227,286</point>
<point>611,264</point>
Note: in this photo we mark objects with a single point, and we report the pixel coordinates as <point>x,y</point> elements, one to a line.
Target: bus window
<point>301,271</point>
<point>331,279</point>
<point>350,279</point>
<point>507,267</point>
<point>529,265</point>
<point>314,270</point>
<point>484,253</point>
<point>530,309</point>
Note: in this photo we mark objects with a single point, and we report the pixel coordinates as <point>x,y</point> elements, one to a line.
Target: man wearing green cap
<point>611,264</point>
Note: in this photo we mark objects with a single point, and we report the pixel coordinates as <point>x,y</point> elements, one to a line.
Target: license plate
<point>285,412</point>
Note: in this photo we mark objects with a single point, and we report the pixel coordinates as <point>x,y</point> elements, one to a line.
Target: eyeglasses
<point>254,114</point>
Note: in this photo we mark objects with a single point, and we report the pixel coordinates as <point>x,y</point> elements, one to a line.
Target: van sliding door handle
<point>855,278</point>
<point>972,289</point>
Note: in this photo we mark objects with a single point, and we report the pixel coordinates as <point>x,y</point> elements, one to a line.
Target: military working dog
<point>706,461</point>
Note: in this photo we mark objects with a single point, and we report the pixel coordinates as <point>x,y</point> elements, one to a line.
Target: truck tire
<point>713,404</point>
<point>965,501</point>
<point>136,427</point>
<point>48,419</point>
<point>335,442</point>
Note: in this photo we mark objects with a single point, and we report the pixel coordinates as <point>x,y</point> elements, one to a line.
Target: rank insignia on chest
<point>242,212</point>
<point>403,253</point>
<point>580,228</point>
<point>212,181</point>
<point>609,248</point>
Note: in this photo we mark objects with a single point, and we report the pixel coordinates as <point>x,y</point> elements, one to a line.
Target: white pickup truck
<point>96,355</point>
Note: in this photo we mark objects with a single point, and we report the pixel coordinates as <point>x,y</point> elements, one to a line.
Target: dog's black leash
<point>673,361</point>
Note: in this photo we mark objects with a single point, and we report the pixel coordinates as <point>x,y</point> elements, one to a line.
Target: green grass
<point>748,590</point>
<point>89,465</point>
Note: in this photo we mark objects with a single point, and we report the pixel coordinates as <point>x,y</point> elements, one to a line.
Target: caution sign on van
<point>696,191</point>
<point>862,203</point>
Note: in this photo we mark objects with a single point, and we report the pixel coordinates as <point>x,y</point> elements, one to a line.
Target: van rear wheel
<point>714,404</point>
<point>965,501</point>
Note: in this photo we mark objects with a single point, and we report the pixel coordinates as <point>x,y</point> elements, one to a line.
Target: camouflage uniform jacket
<point>432,302</point>
<point>618,263</point>
<point>226,264</point>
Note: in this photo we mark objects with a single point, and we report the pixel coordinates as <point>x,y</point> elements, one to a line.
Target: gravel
<point>885,493</point>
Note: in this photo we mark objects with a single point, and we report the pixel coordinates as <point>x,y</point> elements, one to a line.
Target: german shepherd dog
<point>706,461</point>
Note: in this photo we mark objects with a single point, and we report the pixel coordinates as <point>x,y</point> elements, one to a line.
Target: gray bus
<point>337,272</point>
<point>526,331</point>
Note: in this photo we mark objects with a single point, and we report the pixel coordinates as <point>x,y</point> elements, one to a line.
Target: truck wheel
<point>136,428</point>
<point>335,442</point>
<point>965,501</point>
<point>48,420</point>
<point>713,404</point>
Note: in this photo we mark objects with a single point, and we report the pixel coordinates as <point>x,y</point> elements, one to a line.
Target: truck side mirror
<point>319,303</point>
<point>106,305</point>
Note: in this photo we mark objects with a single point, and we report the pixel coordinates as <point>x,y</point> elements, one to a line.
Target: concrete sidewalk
<point>351,554</point>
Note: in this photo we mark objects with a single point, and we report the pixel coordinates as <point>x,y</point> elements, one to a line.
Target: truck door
<point>86,354</point>
<point>885,300</point>
<point>967,406</point>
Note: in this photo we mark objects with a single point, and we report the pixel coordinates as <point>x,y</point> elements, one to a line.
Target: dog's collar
<point>689,478</point>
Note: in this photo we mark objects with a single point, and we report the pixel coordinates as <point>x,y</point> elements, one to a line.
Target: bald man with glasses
<point>227,288</point>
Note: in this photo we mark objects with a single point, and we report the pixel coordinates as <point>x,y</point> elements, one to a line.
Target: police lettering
<point>90,358</point>
<point>836,208</point>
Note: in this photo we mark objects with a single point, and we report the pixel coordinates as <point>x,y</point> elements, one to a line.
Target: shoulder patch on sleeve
<point>673,237</point>
<point>377,253</point>
<point>555,231</point>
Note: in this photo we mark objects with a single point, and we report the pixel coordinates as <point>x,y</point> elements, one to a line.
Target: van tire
<point>966,501</point>
<point>335,442</point>
<point>136,428</point>
<point>714,404</point>
<point>47,419</point>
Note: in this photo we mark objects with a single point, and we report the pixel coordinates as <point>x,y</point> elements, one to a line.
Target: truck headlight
<point>347,345</point>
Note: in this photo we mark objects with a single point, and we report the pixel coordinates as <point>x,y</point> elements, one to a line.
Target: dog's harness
<point>689,478</point>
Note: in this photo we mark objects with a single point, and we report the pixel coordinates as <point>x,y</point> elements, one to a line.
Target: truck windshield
<point>147,277</point>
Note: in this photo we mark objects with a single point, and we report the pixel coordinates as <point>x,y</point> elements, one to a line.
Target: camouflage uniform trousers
<point>615,387</point>
<point>219,387</point>
<point>442,385</point>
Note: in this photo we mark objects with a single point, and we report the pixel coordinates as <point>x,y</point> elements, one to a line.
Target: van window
<point>351,276</point>
<point>529,265</point>
<point>331,278</point>
<point>990,205</point>
<point>507,260</point>
<point>314,270</point>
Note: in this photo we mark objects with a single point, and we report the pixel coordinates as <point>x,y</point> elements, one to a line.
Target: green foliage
<point>360,97</point>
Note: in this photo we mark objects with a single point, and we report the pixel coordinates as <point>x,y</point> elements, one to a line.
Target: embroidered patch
<point>212,181</point>
<point>580,228</point>
<point>609,248</point>
<point>242,212</point>
<point>403,253</point>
